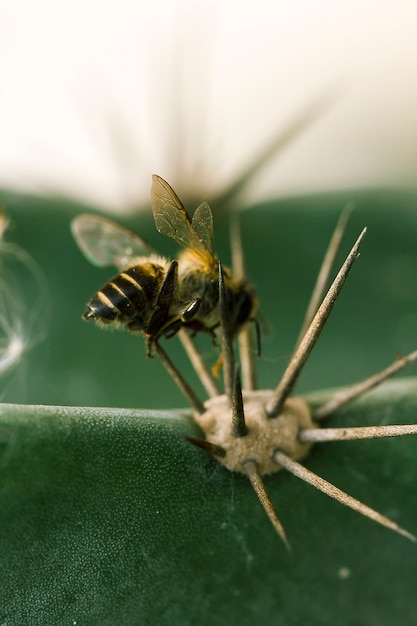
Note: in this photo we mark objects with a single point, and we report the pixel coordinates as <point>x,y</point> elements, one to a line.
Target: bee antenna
<point>257,326</point>
<point>246,339</point>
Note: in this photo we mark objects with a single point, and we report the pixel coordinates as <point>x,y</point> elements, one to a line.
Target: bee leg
<point>164,301</point>
<point>215,370</point>
<point>214,338</point>
<point>172,329</point>
<point>135,326</point>
<point>169,286</point>
<point>149,343</point>
<point>173,325</point>
<point>191,310</point>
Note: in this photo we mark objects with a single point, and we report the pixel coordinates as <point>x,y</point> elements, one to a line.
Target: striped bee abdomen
<point>128,298</point>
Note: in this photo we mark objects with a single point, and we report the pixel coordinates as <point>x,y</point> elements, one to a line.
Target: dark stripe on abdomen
<point>128,296</point>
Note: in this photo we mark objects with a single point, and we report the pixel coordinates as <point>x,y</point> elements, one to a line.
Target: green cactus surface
<point>109,516</point>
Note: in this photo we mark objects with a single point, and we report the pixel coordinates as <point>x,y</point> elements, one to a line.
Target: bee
<point>152,294</point>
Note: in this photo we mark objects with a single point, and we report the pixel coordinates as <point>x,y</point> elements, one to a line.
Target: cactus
<point>110,516</point>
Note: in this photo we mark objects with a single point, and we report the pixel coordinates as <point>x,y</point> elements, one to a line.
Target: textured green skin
<point>110,517</point>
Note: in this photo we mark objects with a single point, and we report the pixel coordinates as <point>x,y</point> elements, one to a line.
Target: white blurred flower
<point>96,96</point>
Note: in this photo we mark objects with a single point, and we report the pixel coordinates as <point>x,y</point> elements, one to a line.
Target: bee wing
<point>202,223</point>
<point>172,220</point>
<point>104,242</point>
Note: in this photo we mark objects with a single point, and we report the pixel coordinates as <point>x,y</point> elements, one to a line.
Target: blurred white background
<point>98,95</point>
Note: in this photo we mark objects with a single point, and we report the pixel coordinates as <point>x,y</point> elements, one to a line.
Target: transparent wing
<point>104,242</point>
<point>172,220</point>
<point>202,223</point>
